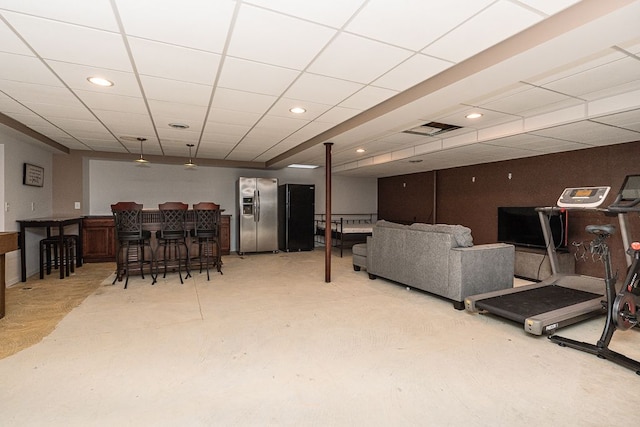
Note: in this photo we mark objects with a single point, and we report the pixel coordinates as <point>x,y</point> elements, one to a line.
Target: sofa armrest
<point>480,269</point>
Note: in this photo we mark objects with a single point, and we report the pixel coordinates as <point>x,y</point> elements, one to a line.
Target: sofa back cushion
<point>461,234</point>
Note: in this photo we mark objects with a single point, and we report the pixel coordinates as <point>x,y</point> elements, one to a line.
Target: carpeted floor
<point>35,307</point>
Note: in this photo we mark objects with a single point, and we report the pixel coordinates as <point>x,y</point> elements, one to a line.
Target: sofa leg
<point>372,276</point>
<point>356,267</point>
<point>458,305</point>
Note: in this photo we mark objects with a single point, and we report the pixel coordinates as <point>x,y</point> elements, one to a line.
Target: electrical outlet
<point>6,206</point>
<point>76,205</point>
<point>33,206</point>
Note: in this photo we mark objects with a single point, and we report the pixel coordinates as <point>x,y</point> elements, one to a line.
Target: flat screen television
<point>520,226</point>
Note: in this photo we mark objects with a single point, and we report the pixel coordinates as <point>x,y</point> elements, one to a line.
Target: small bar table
<point>54,221</point>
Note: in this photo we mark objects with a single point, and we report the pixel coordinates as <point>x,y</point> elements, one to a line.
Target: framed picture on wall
<point>33,175</point>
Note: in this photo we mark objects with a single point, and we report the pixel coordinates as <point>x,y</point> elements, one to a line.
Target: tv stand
<point>533,264</point>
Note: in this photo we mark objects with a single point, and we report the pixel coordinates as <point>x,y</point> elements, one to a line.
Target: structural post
<point>327,229</point>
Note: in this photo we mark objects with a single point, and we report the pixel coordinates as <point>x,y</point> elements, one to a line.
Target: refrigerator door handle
<point>256,203</point>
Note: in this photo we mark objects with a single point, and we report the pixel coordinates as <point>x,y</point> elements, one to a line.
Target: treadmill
<point>560,300</point>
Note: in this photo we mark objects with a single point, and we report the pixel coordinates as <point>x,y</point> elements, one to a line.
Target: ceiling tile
<point>11,43</point>
<point>472,36</point>
<point>191,23</point>
<point>416,23</point>
<point>72,43</point>
<point>614,73</point>
<point>175,91</point>
<point>108,101</point>
<point>126,124</point>
<point>241,74</point>
<point>219,115</point>
<point>283,105</point>
<point>549,7</point>
<point>75,76</point>
<point>334,13</point>
<point>343,59</point>
<point>321,89</point>
<point>527,99</point>
<point>272,38</point>
<point>168,61</point>
<point>338,115</point>
<point>94,13</point>
<point>55,110</point>
<point>27,69</point>
<point>367,97</point>
<point>411,72</point>
<point>26,92</point>
<point>628,120</point>
<point>169,112</point>
<point>229,99</point>
<point>588,132</point>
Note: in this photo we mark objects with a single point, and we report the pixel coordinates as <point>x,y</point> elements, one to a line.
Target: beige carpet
<point>35,307</point>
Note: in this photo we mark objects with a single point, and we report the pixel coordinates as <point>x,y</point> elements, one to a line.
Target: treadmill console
<point>583,197</point>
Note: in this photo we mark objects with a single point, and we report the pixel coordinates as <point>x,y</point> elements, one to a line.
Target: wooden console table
<point>8,243</point>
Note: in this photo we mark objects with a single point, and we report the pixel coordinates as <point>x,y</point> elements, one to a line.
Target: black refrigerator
<point>296,207</point>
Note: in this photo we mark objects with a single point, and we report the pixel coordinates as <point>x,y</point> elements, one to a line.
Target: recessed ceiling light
<point>297,110</point>
<point>474,116</point>
<point>99,81</point>
<point>360,150</point>
<point>179,126</point>
<point>299,166</point>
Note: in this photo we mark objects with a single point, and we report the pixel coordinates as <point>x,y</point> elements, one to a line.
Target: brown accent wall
<point>535,181</point>
<point>67,183</point>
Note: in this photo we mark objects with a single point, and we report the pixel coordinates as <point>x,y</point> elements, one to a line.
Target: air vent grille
<point>432,129</point>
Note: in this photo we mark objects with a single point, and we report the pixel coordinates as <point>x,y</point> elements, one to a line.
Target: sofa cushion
<point>460,233</point>
<point>389,224</point>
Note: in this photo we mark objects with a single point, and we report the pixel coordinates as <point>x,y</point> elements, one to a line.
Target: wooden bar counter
<point>100,236</point>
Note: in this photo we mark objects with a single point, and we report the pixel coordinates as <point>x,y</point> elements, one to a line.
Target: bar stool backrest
<point>173,216</point>
<point>207,219</point>
<point>128,220</point>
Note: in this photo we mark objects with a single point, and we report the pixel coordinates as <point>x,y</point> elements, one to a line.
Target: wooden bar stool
<point>172,236</point>
<point>207,233</point>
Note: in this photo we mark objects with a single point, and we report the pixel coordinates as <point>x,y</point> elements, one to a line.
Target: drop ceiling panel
<point>549,7</point>
<point>229,99</point>
<point>343,59</point>
<point>55,110</point>
<point>168,61</point>
<point>27,92</point>
<point>96,13</point>
<point>529,98</point>
<point>11,43</point>
<point>338,115</point>
<point>537,144</point>
<point>457,46</point>
<point>367,97</point>
<point>108,101</point>
<point>174,136</point>
<point>322,89</point>
<point>272,38</point>
<point>123,123</point>
<point>595,79</point>
<point>283,106</point>
<point>628,120</point>
<point>588,132</point>
<point>192,115</point>
<point>384,20</point>
<point>240,74</point>
<point>29,119</point>
<point>175,91</point>
<point>191,23</point>
<point>75,76</point>
<point>72,43</point>
<point>333,13</point>
<point>228,129</point>
<point>414,70</point>
<point>27,69</point>
<point>219,115</point>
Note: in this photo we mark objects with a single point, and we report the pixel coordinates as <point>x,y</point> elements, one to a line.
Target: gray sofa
<point>440,259</point>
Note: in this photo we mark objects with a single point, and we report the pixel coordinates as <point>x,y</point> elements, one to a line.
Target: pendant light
<point>190,163</point>
<point>141,160</point>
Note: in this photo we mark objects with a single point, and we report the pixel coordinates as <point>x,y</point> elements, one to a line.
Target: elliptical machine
<point>623,306</point>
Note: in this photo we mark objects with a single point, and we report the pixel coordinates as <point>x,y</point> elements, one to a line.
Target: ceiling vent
<point>432,129</point>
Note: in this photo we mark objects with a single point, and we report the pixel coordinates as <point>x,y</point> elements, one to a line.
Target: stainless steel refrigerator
<point>258,215</point>
<point>296,208</point>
